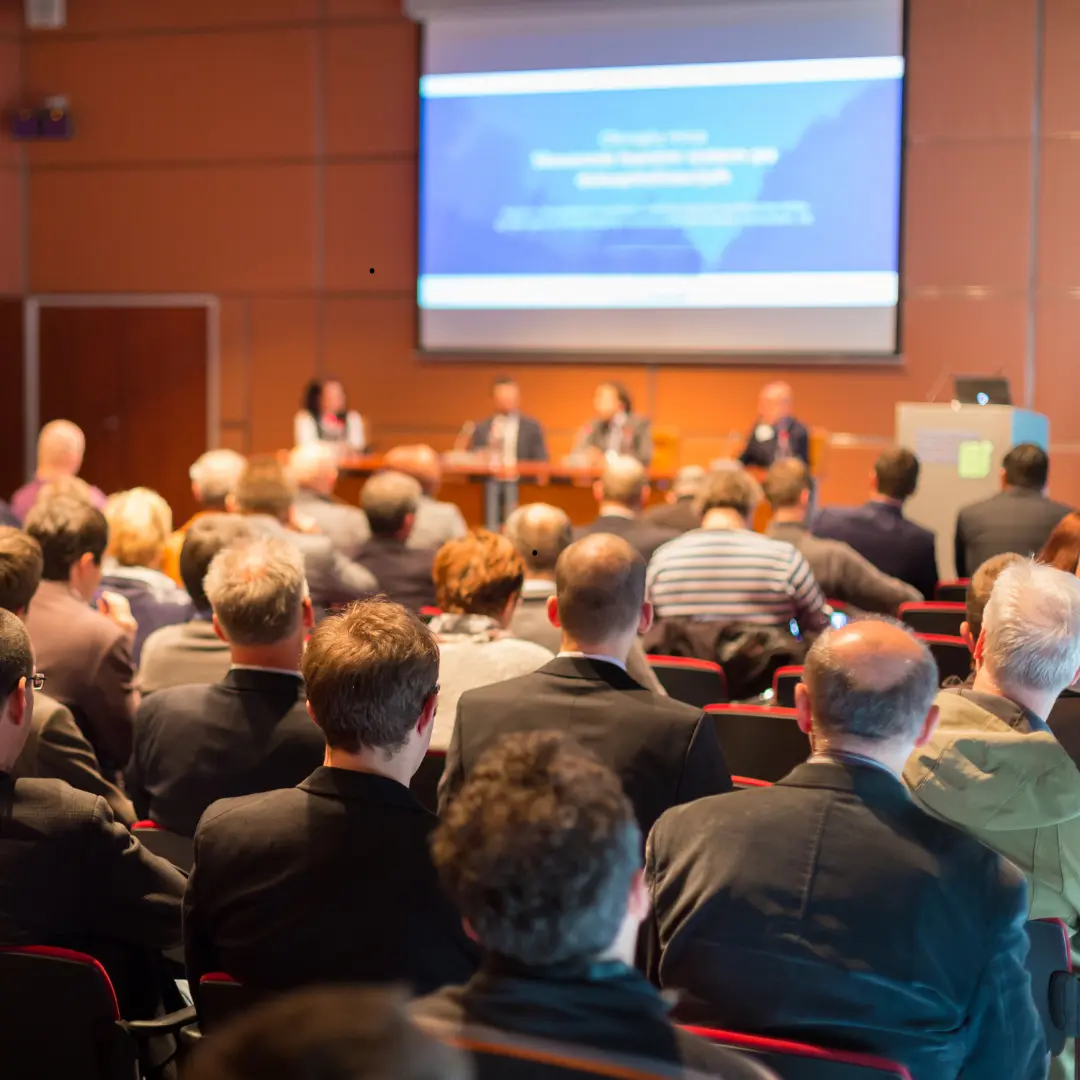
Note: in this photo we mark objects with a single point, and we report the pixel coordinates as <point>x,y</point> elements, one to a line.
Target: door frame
<point>32,306</point>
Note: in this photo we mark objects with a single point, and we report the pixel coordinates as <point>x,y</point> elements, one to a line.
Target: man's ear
<point>220,633</point>
<point>427,713</point>
<point>553,612</point>
<point>598,491</point>
<point>646,618</point>
<point>966,634</point>
<point>307,614</point>
<point>17,709</point>
<point>470,933</point>
<point>980,647</point>
<point>639,902</point>
<point>803,716</point>
<point>646,491</point>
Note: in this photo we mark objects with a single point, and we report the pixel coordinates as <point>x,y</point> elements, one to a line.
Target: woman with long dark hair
<point>327,418</point>
<point>1062,548</point>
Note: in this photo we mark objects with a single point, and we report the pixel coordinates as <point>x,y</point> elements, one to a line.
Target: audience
<point>1062,547</point>
<point>727,573</point>
<point>993,767</point>
<point>214,477</point>
<point>829,908</point>
<point>87,653</point>
<point>192,652</point>
<point>390,501</point>
<point>436,522</point>
<point>878,530</point>
<point>264,495</point>
<point>313,468</point>
<point>332,881</point>
<point>664,752</point>
<point>55,747</point>
<point>478,580</point>
<point>541,854</point>
<point>1020,518</point>
<point>249,732</point>
<point>140,522</point>
<point>540,533</point>
<point>60,449</point>
<point>840,571</point>
<point>978,595</point>
<point>622,492</point>
<point>679,512</point>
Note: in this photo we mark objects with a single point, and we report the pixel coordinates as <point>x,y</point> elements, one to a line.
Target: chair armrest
<point>1065,1002</point>
<point>169,1024</point>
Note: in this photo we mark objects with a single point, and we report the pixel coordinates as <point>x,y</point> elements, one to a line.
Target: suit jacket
<point>763,452</point>
<point>1016,519</point>
<point>22,502</point>
<point>636,438</point>
<point>404,574</point>
<point>531,445</point>
<point>881,534</point>
<point>679,516</point>
<point>643,535</point>
<point>345,525</point>
<point>179,655</point>
<point>435,523</point>
<point>90,668</point>
<point>56,749</point>
<point>830,908</point>
<point>330,881</point>
<point>196,744</point>
<point>664,752</point>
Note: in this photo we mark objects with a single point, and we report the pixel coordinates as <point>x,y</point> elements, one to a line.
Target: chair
<point>784,681</point>
<point>802,1061</point>
<point>1055,987</point>
<point>933,617</point>
<point>179,850</point>
<point>696,682</point>
<point>742,782</point>
<point>951,653</point>
<point>952,592</point>
<point>425,782</point>
<point>221,998</point>
<point>761,742</point>
<point>429,613</point>
<point>61,1018</point>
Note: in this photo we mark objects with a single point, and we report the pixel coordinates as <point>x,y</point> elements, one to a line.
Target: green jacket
<point>998,773</point>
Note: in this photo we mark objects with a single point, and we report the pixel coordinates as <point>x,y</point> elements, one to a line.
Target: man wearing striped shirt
<point>724,572</point>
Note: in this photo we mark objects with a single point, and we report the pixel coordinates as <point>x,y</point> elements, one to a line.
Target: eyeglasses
<point>434,691</point>
<point>37,681</point>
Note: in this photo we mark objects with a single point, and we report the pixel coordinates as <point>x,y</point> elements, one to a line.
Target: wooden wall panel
<point>126,16</point>
<point>1058,374</point>
<point>11,231</point>
<point>12,465</point>
<point>1059,247</point>
<point>1061,73</point>
<point>234,361</point>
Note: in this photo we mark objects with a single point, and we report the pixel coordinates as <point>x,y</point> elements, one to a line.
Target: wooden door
<point>134,379</point>
<point>12,447</point>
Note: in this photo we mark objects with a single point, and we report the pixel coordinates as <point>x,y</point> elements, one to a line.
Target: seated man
<point>878,530</point>
<point>542,855</point>
<point>390,501</point>
<point>313,468</point>
<point>192,652</point>
<point>776,435</point>
<point>725,572</point>
<point>332,881</point>
<point>436,522</point>
<point>993,767</point>
<point>679,513</point>
<point>664,752</point>
<point>840,571</point>
<point>622,492</point>
<point>250,732</point>
<point>978,596</point>
<point>829,908</point>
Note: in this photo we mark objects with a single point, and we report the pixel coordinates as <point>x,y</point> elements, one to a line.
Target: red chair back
<point>696,682</point>
<point>221,998</point>
<point>425,782</point>
<point>951,653</point>
<point>784,682</point>
<point>954,592</point>
<point>179,850</point>
<point>759,741</point>
<point>934,617</point>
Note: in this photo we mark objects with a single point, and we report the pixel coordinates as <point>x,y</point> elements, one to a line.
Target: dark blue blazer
<point>530,444</point>
<point>763,453</point>
<point>881,534</point>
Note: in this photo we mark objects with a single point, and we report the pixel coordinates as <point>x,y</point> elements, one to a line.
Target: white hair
<point>1032,627</point>
<point>216,473</point>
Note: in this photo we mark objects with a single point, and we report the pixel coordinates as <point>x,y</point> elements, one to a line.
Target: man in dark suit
<point>313,468</point>
<point>830,908</point>
<point>250,732</point>
<point>679,513</point>
<point>1019,518</point>
<point>332,881</point>
<point>508,434</point>
<point>69,874</point>
<point>878,530</point>
<point>622,492</point>
<point>615,428</point>
<point>390,500</point>
<point>665,752</point>
<point>776,434</point>
<point>87,653</point>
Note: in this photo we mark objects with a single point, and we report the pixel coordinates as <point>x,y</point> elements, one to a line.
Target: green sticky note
<point>975,459</point>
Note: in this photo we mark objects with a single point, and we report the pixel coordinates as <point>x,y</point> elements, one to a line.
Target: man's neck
<point>722,518</point>
<point>1037,703</point>
<point>889,755</point>
<point>323,491</point>
<point>616,649</point>
<point>888,500</point>
<point>614,509</point>
<point>373,762</point>
<point>541,577</point>
<point>284,656</point>
<point>789,515</point>
<point>46,474</point>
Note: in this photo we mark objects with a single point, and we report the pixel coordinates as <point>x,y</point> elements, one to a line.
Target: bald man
<point>664,752</point>
<point>776,434</point>
<point>435,522</point>
<point>60,449</point>
<point>313,468</point>
<point>830,908</point>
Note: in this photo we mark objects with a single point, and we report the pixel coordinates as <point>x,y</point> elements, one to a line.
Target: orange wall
<point>266,152</point>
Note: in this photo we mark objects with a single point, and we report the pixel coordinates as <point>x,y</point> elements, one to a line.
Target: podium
<point>960,450</point>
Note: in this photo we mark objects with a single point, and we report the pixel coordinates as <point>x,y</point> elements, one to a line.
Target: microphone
<point>464,437</point>
<point>939,382</point>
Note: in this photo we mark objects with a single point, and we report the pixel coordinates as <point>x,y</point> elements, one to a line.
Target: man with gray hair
<point>850,916</point>
<point>313,468</point>
<point>993,767</point>
<point>679,511</point>
<point>250,731</point>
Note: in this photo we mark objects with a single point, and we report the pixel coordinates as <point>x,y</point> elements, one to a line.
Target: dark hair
<point>368,673</point>
<point>728,488</point>
<point>328,1033</point>
<point>1062,547</point>
<point>204,538</point>
<point>504,380</point>
<point>1027,466</point>
<point>539,849</point>
<point>16,654</point>
<point>21,564</point>
<point>982,581</point>
<point>477,574</point>
<point>785,483</point>
<point>313,398</point>
<point>67,529</point>
<point>264,488</point>
<point>625,400</point>
<point>600,584</point>
<point>897,472</point>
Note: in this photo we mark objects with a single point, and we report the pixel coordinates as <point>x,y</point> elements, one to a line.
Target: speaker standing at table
<point>327,418</point>
<point>777,434</point>
<point>508,434</point>
<point>615,428</point>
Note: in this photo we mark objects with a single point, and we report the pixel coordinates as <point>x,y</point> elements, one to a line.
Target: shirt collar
<point>534,588</point>
<point>593,656</point>
<point>271,670</point>
<point>845,757</point>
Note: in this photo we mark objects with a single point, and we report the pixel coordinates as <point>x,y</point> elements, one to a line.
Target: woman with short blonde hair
<point>139,524</point>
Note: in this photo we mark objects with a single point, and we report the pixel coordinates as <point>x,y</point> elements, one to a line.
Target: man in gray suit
<point>1019,518</point>
<point>541,533</point>
<point>313,469</point>
<point>435,522</point>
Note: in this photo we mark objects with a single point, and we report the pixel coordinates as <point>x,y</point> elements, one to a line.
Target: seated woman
<point>140,522</point>
<point>326,417</point>
<point>478,581</point>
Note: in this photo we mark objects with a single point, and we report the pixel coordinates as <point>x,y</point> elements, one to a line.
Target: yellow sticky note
<point>975,459</point>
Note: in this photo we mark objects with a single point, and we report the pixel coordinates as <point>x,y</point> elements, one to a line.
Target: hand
<point>117,608</point>
<point>301,523</point>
